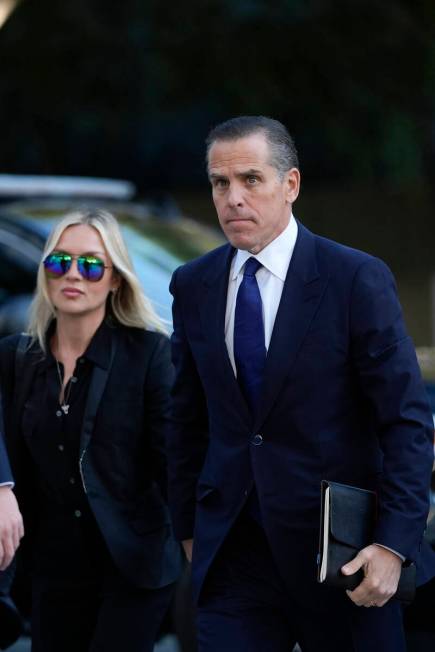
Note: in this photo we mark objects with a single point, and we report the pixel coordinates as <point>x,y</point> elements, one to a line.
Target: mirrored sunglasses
<point>90,267</point>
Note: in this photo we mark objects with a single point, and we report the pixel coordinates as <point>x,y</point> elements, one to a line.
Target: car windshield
<point>154,266</point>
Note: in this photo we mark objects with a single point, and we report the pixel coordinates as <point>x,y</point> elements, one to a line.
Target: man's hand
<point>188,545</point>
<point>381,575</point>
<point>11,526</point>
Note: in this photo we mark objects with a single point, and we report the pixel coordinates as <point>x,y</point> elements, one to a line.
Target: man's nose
<point>235,196</point>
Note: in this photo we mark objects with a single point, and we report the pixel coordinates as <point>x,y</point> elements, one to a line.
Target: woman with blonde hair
<point>85,405</point>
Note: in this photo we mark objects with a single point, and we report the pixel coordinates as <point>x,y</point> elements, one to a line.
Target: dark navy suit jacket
<point>5,468</point>
<point>343,400</point>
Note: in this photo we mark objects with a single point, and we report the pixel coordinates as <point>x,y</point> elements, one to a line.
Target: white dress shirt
<point>275,259</point>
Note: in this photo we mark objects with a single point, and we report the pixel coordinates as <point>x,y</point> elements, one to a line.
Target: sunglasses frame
<point>75,257</point>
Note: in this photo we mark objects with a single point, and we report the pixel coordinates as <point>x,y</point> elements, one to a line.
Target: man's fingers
<point>373,590</point>
<point>381,575</point>
<point>16,536</point>
<point>18,531</point>
<point>363,596</point>
<point>11,525</point>
<point>9,543</point>
<point>353,566</point>
<point>8,551</point>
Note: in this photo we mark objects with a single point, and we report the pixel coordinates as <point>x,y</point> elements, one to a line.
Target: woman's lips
<point>71,292</point>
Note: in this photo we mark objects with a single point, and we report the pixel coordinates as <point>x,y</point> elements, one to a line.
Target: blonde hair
<point>128,304</point>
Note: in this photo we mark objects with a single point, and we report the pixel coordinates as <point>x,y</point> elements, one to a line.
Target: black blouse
<point>52,437</point>
<point>66,536</point>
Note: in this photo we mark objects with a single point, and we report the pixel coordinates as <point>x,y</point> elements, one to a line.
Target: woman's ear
<point>116,282</point>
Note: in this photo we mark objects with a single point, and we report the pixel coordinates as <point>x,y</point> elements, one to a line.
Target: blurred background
<point>128,90</point>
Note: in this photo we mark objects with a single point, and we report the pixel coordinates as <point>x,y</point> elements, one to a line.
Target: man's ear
<point>293,182</point>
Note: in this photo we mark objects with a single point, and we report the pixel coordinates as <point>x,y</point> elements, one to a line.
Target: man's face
<point>253,204</point>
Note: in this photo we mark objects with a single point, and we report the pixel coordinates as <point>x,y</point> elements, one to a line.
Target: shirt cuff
<point>11,485</point>
<point>391,550</point>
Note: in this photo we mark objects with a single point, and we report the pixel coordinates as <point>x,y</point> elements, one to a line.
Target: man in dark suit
<point>293,365</point>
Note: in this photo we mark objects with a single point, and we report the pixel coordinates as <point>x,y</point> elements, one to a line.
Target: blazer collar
<point>98,351</point>
<point>212,312</point>
<point>302,293</point>
<point>221,268</point>
<point>99,378</point>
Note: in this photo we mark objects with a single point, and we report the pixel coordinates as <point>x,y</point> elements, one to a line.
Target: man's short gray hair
<point>283,153</point>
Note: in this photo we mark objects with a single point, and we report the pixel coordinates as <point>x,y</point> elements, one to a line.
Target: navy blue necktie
<point>250,351</point>
<point>249,347</point>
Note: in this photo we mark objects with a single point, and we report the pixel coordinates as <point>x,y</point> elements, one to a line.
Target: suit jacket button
<point>257,440</point>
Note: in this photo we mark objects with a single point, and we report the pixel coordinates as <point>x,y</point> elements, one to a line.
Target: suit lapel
<point>96,388</point>
<point>212,310</point>
<point>302,292</point>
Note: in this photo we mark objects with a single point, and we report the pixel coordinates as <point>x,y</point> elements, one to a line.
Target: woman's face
<point>72,294</point>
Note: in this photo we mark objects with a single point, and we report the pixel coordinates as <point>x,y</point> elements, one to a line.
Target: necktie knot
<point>252,266</point>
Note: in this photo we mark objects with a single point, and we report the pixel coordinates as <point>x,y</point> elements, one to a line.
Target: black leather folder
<point>347,521</point>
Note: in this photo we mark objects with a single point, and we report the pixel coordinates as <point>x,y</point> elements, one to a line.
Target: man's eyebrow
<point>242,173</point>
<point>216,175</point>
<point>251,171</point>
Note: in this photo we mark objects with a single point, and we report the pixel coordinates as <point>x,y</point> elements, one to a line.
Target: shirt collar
<point>275,257</point>
<point>98,351</point>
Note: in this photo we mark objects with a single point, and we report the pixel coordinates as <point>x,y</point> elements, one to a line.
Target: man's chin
<point>242,243</point>
<point>240,240</point>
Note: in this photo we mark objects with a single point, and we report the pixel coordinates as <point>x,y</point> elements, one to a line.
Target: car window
<point>18,263</point>
<point>154,267</point>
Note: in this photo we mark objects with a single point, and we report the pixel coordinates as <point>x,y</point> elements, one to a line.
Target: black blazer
<point>122,456</point>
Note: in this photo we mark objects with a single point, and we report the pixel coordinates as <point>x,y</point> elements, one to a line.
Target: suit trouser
<point>245,606</point>
<point>80,600</point>
<point>79,616</point>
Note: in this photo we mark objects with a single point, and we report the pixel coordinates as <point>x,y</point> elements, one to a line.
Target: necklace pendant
<point>64,408</point>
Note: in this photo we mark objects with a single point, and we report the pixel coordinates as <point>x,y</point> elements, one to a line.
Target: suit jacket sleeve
<point>390,378</point>
<point>5,469</point>
<point>188,434</point>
